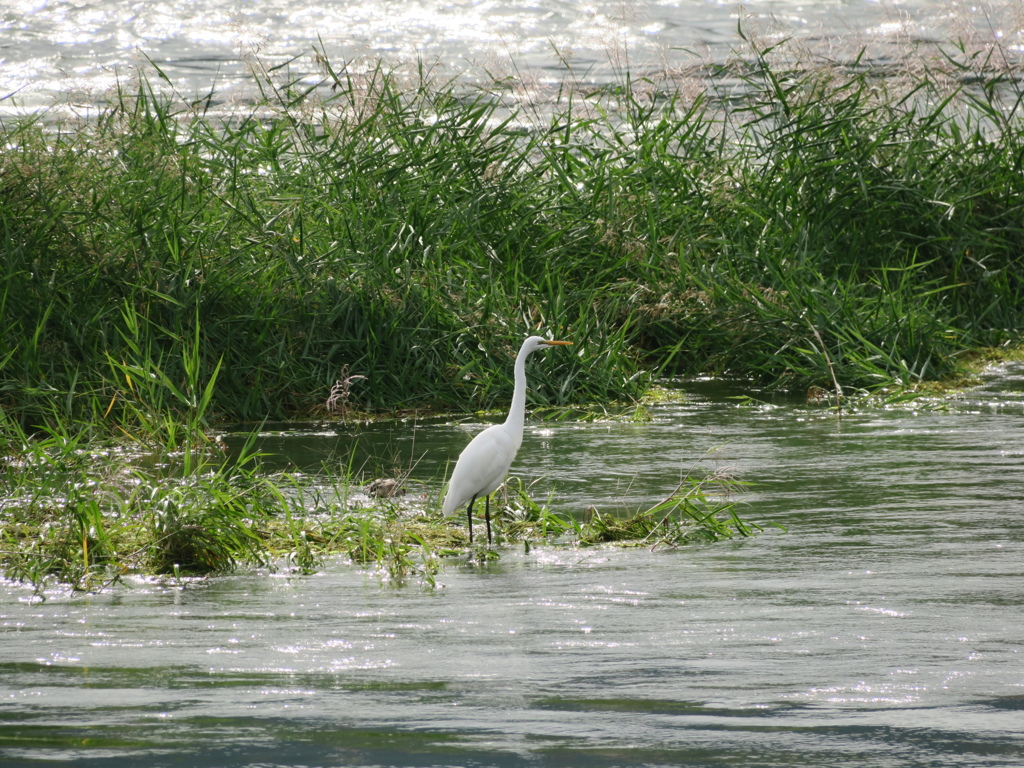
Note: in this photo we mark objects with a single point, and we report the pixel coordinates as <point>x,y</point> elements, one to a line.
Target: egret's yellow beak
<point>559,343</point>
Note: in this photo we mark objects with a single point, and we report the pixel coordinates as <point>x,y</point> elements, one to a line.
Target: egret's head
<point>539,342</point>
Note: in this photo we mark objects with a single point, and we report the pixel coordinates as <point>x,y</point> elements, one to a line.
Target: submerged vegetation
<point>382,241</point>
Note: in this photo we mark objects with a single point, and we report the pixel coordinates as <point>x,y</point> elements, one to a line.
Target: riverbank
<point>402,236</point>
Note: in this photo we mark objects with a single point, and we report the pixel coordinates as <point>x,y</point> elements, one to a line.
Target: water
<point>77,52</point>
<point>884,628</point>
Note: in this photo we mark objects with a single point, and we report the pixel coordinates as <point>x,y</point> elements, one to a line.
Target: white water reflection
<point>77,51</point>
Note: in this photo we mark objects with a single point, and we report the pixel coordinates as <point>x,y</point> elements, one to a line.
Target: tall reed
<point>165,267</point>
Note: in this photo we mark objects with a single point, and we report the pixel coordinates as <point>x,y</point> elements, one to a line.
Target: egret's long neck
<point>517,413</point>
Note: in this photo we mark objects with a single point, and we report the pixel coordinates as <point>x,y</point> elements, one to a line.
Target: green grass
<point>77,517</point>
<point>167,268</point>
<point>164,268</point>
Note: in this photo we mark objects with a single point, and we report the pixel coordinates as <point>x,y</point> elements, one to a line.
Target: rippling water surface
<point>884,628</point>
<point>78,50</point>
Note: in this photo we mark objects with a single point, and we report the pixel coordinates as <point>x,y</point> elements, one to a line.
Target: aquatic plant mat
<point>171,261</point>
<point>85,520</point>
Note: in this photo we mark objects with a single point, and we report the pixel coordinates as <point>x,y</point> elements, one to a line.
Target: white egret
<point>483,464</point>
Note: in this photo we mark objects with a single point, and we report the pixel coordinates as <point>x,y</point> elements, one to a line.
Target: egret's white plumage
<point>482,466</point>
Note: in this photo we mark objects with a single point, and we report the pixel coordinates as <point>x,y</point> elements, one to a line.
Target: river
<point>77,53</point>
<point>882,628</point>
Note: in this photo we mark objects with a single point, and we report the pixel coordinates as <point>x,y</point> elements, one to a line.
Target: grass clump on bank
<point>166,264</point>
<point>73,517</point>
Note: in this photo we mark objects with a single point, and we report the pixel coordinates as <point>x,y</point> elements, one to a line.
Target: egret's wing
<point>481,467</point>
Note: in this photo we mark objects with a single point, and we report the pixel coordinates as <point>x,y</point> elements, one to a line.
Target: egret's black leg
<point>469,516</point>
<point>487,517</point>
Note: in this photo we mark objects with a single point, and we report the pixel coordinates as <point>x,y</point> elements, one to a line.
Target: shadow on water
<point>883,629</point>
